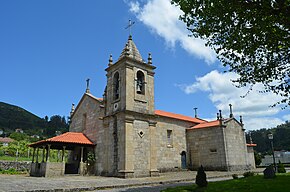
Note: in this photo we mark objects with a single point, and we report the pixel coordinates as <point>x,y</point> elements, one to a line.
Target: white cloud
<point>134,6</point>
<point>163,19</point>
<point>254,107</point>
<point>286,117</point>
<point>258,123</point>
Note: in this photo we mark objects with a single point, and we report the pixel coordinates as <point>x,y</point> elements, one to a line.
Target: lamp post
<point>270,136</point>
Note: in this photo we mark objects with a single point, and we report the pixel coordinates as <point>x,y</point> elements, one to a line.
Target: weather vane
<point>129,26</point>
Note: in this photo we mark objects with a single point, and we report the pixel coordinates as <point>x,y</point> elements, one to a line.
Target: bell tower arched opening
<point>140,83</point>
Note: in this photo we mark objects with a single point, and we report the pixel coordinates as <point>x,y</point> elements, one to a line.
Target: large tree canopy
<point>251,37</point>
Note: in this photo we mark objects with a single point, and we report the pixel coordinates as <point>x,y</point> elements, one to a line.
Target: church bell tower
<point>130,82</point>
<point>129,122</point>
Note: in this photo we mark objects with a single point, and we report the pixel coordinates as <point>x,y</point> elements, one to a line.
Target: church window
<point>169,138</point>
<point>213,150</point>
<point>116,86</point>
<point>140,84</point>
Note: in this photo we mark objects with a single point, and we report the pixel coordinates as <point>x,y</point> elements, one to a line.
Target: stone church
<point>132,139</point>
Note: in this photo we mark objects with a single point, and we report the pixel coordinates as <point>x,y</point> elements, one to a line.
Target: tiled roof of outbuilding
<point>68,137</point>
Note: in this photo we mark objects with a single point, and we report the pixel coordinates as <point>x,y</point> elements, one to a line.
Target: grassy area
<point>250,184</point>
<point>12,171</point>
<point>9,158</point>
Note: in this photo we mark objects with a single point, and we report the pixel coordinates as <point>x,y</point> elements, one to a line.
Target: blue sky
<point>49,48</point>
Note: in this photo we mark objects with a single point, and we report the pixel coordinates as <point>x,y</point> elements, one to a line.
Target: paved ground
<point>93,183</point>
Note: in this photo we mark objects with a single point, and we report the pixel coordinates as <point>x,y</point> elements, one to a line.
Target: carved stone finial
<point>195,112</point>
<point>110,60</point>
<point>149,59</point>
<point>241,120</point>
<point>231,111</point>
<point>127,50</point>
<point>72,109</point>
<point>88,86</point>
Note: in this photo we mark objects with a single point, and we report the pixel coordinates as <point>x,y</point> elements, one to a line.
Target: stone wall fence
<point>17,165</point>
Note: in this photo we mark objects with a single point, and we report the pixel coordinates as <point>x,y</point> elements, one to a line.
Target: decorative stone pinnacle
<point>195,112</point>
<point>241,120</point>
<point>127,50</point>
<point>110,60</point>
<point>88,86</point>
<point>72,109</point>
<point>149,58</point>
<point>231,111</point>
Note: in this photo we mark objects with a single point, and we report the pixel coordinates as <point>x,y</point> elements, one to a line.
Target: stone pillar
<point>105,158</point>
<point>153,150</point>
<point>57,160</point>
<point>63,157</point>
<point>37,154</point>
<point>63,160</point>
<point>48,153</point>
<point>43,151</point>
<point>33,154</point>
<point>82,165</point>
<point>127,169</point>
<point>82,154</point>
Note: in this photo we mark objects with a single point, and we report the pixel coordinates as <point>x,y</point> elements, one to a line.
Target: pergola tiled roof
<point>68,139</point>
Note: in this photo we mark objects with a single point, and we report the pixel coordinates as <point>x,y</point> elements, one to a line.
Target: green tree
<point>251,37</point>
<point>258,158</point>
<point>18,136</point>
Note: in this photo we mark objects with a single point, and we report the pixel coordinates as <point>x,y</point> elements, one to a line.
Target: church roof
<point>68,137</point>
<point>179,117</point>
<point>206,125</point>
<point>131,50</point>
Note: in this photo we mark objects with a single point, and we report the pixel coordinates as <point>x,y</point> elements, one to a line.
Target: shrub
<point>281,168</point>
<point>235,176</point>
<point>200,179</point>
<point>248,174</point>
<point>269,172</point>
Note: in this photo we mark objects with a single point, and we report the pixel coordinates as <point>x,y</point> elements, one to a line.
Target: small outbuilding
<point>78,146</point>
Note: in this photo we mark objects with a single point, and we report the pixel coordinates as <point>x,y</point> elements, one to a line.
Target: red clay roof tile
<point>206,125</point>
<point>68,137</point>
<point>251,145</point>
<point>178,116</point>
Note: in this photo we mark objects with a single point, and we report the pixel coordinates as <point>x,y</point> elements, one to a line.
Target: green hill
<point>14,117</point>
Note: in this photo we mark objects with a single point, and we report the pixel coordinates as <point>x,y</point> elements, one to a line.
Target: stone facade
<point>132,140</point>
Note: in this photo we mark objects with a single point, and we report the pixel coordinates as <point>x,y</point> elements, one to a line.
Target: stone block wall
<point>141,145</point>
<point>54,169</point>
<point>236,148</point>
<point>169,154</point>
<point>18,166</point>
<point>206,147</point>
<point>86,118</point>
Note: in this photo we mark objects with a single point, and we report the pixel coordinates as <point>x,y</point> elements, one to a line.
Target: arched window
<point>140,85</point>
<point>116,86</point>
